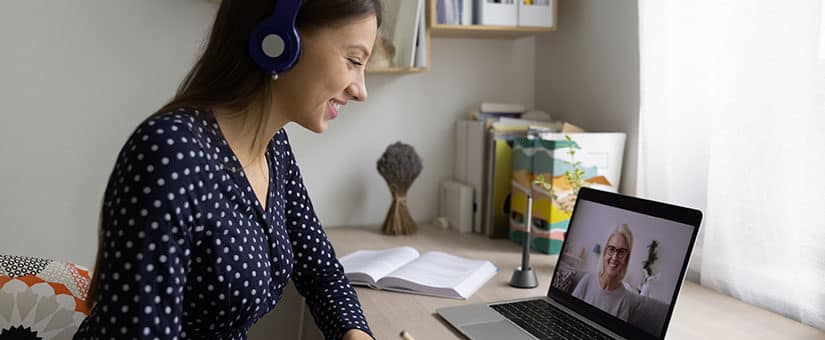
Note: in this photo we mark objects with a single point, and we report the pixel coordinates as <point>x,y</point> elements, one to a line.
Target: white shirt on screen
<point>620,302</point>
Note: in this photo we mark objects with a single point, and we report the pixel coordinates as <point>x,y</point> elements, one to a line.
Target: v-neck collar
<point>233,167</point>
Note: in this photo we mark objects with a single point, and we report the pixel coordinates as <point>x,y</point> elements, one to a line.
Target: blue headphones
<point>275,44</point>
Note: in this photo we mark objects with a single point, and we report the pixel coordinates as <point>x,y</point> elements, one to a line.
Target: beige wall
<point>588,71</point>
<point>78,76</point>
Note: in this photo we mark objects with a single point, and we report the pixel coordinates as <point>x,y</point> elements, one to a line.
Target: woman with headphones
<point>205,217</point>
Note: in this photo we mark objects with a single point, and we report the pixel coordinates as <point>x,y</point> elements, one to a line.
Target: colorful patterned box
<point>552,167</point>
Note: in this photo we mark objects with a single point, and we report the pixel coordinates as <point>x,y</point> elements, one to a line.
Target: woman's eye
<point>355,62</point>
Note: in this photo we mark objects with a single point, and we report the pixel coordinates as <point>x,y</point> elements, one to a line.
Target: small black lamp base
<point>524,278</point>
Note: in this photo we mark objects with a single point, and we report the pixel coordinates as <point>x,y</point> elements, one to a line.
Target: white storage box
<point>538,14</point>
<point>457,205</point>
<point>499,14</point>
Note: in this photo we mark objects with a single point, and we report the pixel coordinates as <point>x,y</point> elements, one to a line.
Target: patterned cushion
<point>41,299</point>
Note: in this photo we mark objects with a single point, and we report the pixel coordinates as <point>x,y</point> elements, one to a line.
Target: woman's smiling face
<point>615,255</point>
<point>329,73</point>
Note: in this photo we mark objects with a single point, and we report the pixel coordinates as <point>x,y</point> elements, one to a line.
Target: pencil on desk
<point>406,335</point>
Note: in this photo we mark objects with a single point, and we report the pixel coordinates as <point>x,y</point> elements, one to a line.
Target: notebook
<point>611,237</point>
<point>403,269</point>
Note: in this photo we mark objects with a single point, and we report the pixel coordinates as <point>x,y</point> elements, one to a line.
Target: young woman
<point>205,217</point>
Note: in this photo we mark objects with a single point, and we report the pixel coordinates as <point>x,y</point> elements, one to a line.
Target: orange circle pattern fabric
<point>40,298</point>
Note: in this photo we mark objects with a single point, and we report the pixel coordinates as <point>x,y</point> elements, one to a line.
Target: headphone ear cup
<point>274,51</point>
<point>275,45</point>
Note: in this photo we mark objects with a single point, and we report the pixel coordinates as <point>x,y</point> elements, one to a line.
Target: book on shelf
<point>467,12</point>
<point>483,155</point>
<point>502,107</point>
<point>403,269</point>
<point>478,115</point>
<point>498,181</point>
<point>403,18</point>
<point>469,167</point>
<point>567,127</point>
<point>455,12</point>
<point>517,124</point>
<point>499,173</point>
<point>448,12</point>
<point>537,115</point>
<point>421,54</point>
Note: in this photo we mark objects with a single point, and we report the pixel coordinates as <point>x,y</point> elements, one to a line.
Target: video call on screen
<point>624,263</point>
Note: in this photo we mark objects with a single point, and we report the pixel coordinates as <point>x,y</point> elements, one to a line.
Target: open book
<point>403,269</point>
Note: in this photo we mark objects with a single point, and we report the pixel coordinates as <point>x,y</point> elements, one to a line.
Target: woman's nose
<point>358,90</point>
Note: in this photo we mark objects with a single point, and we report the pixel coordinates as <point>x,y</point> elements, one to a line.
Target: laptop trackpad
<point>494,330</point>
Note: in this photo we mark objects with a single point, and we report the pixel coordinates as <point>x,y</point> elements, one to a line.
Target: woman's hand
<point>357,334</point>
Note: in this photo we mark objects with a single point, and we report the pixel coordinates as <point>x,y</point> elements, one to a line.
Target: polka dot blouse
<point>188,250</point>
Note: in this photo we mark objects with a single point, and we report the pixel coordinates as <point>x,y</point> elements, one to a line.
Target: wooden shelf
<point>480,31</point>
<point>483,31</point>
<point>462,31</point>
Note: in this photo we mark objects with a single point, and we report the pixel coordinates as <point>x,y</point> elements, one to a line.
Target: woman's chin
<point>317,127</point>
<point>322,126</point>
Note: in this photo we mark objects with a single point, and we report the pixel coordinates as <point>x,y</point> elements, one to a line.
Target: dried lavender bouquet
<point>399,165</point>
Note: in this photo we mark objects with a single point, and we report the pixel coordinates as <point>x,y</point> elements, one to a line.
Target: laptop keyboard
<point>546,321</point>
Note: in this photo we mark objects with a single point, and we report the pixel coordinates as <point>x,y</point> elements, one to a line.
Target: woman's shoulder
<point>588,277</point>
<point>190,123</point>
<point>586,281</point>
<point>172,140</point>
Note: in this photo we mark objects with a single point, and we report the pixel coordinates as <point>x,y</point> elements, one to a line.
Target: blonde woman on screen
<point>605,288</point>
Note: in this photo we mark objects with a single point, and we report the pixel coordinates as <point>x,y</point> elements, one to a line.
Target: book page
<point>368,266</point>
<point>441,274</point>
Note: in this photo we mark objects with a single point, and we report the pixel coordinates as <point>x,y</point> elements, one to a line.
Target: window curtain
<point>732,121</point>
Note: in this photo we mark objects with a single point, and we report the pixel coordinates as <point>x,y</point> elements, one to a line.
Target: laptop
<point>606,284</point>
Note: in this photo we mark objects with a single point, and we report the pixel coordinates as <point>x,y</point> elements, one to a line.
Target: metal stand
<point>524,276</point>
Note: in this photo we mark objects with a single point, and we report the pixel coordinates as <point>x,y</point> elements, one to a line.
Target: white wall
<point>419,109</point>
<point>587,72</point>
<point>78,76</point>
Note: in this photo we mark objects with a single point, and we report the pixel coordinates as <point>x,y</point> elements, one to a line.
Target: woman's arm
<point>145,248</point>
<point>318,275</point>
<point>357,334</point>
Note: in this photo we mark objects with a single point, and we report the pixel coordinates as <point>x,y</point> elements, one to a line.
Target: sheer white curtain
<point>733,122</point>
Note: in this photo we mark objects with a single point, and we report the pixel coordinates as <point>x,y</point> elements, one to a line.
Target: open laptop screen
<point>625,263</point>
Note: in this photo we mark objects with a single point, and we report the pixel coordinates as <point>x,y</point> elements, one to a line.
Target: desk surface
<point>700,313</point>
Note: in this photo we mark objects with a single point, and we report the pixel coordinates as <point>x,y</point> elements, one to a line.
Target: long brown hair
<point>226,76</point>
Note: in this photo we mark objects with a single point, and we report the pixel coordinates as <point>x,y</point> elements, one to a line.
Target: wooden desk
<point>700,314</point>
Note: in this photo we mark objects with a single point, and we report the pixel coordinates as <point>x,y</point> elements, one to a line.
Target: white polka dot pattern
<point>188,250</point>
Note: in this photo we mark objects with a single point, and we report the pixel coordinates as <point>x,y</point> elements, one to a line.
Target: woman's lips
<point>333,112</point>
<point>334,107</point>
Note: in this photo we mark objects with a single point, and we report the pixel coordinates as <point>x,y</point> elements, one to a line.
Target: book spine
<point>475,169</point>
<point>500,107</point>
<point>441,11</point>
